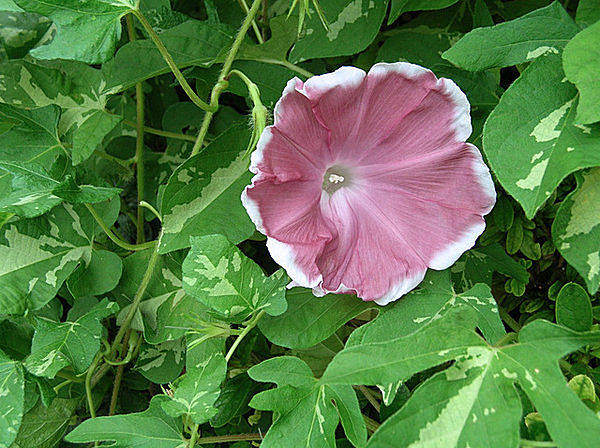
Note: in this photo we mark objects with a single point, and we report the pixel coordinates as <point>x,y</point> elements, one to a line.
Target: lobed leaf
<point>98,20</point>
<point>56,345</point>
<point>12,393</point>
<point>149,429</point>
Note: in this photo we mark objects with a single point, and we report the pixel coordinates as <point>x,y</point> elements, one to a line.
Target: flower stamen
<point>335,178</point>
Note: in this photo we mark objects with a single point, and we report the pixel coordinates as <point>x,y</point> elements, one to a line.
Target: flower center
<point>335,178</point>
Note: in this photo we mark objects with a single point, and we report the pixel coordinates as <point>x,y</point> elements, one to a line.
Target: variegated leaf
<point>39,254</point>
<point>576,228</point>
<point>11,399</point>
<point>59,344</point>
<point>204,193</point>
<point>195,393</point>
<point>474,402</point>
<point>539,132</point>
<point>216,273</point>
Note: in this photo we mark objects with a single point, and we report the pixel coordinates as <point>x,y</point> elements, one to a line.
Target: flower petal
<point>290,215</point>
<point>369,254</point>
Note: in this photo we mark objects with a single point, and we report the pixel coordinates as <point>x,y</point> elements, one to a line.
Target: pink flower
<point>365,180</point>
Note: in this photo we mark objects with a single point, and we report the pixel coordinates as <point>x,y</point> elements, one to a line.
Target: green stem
<point>151,208</point>
<point>254,25</point>
<point>372,425</point>
<point>193,435</point>
<point>370,398</point>
<point>513,324</point>
<point>228,438</point>
<point>117,383</point>
<point>136,301</point>
<point>161,133</point>
<point>220,85</point>
<point>287,64</point>
<point>88,383</point>
<point>243,334</point>
<point>114,238</point>
<point>171,63</point>
<point>139,143</point>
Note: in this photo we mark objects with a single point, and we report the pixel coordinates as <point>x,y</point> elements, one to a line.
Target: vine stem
<point>114,238</point>
<point>88,383</point>
<point>118,377</point>
<point>136,300</point>
<point>221,83</point>
<point>171,63</point>
<point>161,133</point>
<point>254,25</point>
<point>139,143</point>
<point>370,398</point>
<point>193,435</point>
<point>243,334</point>
<point>228,438</point>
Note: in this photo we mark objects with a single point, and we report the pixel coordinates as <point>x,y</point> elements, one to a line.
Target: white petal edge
<point>256,157</point>
<point>484,177</point>
<point>345,76</point>
<point>404,286</point>
<point>284,255</point>
<point>462,108</point>
<point>252,209</point>
<point>289,88</point>
<point>447,256</point>
<point>406,69</point>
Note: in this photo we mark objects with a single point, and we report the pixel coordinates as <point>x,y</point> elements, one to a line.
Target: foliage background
<point>168,325</point>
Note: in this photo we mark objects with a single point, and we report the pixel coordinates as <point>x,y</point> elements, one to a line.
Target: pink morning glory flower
<point>365,180</point>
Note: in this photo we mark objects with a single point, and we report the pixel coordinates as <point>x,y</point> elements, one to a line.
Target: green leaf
<point>191,43</point>
<point>166,312</point>
<point>39,254</point>
<point>401,6</point>
<point>86,31</point>
<point>284,32</point>
<point>478,265</point>
<point>581,62</point>
<point>12,393</point>
<point>204,192</point>
<point>588,12</point>
<point>546,30</point>
<point>34,191</point>
<point>216,273</point>
<point>574,308</point>
<point>33,136</point>
<point>44,427</point>
<point>196,391</point>
<point>99,276</point>
<point>161,363</point>
<point>544,143</point>
<point>307,413</point>
<point>233,400</point>
<point>149,429</point>
<point>352,27</point>
<point>434,298</point>
<point>90,134</point>
<point>59,344</point>
<point>474,401</point>
<point>309,320</point>
<point>576,228</point>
